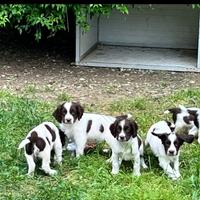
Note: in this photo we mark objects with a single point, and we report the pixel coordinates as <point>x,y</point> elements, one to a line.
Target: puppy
<point>165,144</point>
<point>38,144</point>
<point>81,127</point>
<point>127,144</point>
<point>186,118</point>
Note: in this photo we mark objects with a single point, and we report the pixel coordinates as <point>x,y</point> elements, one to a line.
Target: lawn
<point>89,177</point>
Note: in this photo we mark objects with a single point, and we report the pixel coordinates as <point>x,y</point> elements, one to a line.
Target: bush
<point>51,17</point>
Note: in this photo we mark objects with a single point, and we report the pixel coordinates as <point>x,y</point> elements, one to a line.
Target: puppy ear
<point>162,136</point>
<point>80,110</point>
<point>171,125</point>
<point>113,129</point>
<point>58,114</point>
<point>134,128</point>
<point>186,138</point>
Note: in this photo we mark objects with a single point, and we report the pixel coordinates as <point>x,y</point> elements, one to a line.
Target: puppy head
<point>172,142</point>
<point>123,128</point>
<point>68,112</point>
<point>182,116</point>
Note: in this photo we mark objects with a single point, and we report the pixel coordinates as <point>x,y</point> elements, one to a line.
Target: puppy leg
<point>109,160</point>
<point>80,145</point>
<point>115,163</point>
<point>31,164</point>
<point>176,167</point>
<point>146,143</point>
<point>199,136</point>
<point>58,152</point>
<point>136,166</point>
<point>142,163</point>
<point>165,164</point>
<point>46,163</point>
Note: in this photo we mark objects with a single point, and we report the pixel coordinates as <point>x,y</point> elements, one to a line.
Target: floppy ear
<point>80,110</point>
<point>113,129</point>
<point>121,117</point>
<point>134,128</point>
<point>162,136</point>
<point>171,125</point>
<point>57,113</point>
<point>186,138</point>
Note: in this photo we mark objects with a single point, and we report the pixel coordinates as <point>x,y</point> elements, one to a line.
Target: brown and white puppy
<point>81,127</point>
<point>128,145</point>
<point>38,143</point>
<point>165,144</point>
<point>186,118</point>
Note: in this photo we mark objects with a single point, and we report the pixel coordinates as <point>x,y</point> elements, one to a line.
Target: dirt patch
<point>46,68</point>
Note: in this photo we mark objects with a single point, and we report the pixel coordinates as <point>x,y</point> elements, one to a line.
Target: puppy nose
<point>68,120</point>
<point>171,152</point>
<point>122,137</point>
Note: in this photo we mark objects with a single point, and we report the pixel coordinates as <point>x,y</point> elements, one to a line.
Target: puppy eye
<point>168,143</point>
<point>127,129</point>
<point>119,129</point>
<point>64,112</point>
<point>72,112</point>
<point>175,144</point>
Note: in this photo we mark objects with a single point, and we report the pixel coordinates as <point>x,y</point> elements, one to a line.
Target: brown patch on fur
<point>101,129</point>
<point>139,142</point>
<point>174,112</point>
<point>89,126</point>
<point>77,110</point>
<point>62,137</point>
<point>29,148</point>
<point>58,113</point>
<point>186,119</point>
<point>193,117</point>
<point>53,134</point>
<point>40,143</point>
<point>34,139</point>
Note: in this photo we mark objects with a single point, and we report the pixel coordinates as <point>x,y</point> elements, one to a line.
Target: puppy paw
<point>136,173</point>
<point>144,166</point>
<point>52,172</point>
<point>30,174</point>
<point>115,172</point>
<point>175,177</point>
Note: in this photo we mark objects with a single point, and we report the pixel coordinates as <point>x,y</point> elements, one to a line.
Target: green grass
<point>89,177</point>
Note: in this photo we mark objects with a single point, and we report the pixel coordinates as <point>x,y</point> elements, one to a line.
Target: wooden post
<point>78,31</point>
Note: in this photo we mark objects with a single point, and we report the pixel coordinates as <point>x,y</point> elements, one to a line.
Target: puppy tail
<point>183,108</point>
<point>129,116</point>
<point>23,143</point>
<point>166,112</point>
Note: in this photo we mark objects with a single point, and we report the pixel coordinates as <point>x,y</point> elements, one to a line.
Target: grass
<point>89,177</point>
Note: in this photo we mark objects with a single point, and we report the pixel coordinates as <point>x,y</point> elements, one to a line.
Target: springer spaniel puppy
<point>38,144</point>
<point>127,145</point>
<point>165,144</point>
<point>186,118</point>
<point>81,127</point>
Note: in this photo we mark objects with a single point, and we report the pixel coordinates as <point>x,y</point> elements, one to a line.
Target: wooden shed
<point>163,38</point>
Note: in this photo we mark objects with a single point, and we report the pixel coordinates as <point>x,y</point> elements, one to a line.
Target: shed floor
<point>141,58</point>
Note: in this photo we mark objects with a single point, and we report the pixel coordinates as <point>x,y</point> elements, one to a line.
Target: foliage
<point>89,177</point>
<point>52,17</point>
